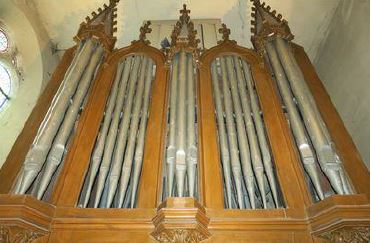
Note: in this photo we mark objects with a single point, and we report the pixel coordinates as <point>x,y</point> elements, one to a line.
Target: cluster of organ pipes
<point>116,160</point>
<point>248,170</point>
<point>44,158</point>
<point>181,151</point>
<point>317,151</point>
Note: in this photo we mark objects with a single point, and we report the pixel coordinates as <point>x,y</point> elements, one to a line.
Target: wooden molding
<point>180,220</point>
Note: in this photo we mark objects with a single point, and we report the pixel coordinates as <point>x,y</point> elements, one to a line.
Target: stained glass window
<point>3,41</point>
<point>5,85</point>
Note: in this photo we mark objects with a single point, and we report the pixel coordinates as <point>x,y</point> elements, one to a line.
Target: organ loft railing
<point>182,145</point>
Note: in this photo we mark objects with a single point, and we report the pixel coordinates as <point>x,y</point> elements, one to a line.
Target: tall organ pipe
<point>123,130</point>
<point>191,134</point>
<point>327,157</point>
<point>306,153</point>
<point>224,148</point>
<point>117,95</point>
<point>232,137</point>
<point>264,147</point>
<point>243,144</point>
<point>36,156</point>
<point>129,152</point>
<point>346,183</point>
<point>180,159</point>
<point>59,145</point>
<point>111,139</point>
<point>138,157</point>
<point>171,149</point>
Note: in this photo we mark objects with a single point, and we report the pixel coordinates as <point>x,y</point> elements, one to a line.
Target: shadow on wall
<point>344,67</point>
<point>238,20</point>
<point>25,38</point>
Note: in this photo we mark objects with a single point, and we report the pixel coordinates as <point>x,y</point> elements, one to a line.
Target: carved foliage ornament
<point>15,234</point>
<point>348,235</point>
<point>144,30</point>
<point>225,34</point>
<point>180,236</point>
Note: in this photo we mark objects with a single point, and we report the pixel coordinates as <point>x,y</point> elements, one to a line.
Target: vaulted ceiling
<point>309,20</point>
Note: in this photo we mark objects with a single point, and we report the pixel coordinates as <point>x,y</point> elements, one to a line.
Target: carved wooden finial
<point>225,33</point>
<point>144,30</point>
<point>185,11</point>
<point>184,14</point>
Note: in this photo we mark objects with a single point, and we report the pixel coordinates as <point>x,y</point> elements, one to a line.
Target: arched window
<point>5,85</point>
<point>9,71</point>
<point>4,43</point>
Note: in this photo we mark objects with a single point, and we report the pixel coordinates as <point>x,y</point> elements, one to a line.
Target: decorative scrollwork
<point>348,235</point>
<point>180,236</point>
<point>15,234</point>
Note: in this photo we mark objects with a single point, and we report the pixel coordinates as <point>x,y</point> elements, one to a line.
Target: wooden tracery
<point>295,218</point>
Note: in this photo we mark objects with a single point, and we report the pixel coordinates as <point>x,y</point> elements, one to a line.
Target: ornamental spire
<point>267,24</point>
<point>183,36</point>
<point>101,26</point>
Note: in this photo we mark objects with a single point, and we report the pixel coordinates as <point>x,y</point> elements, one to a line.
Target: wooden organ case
<point>184,145</point>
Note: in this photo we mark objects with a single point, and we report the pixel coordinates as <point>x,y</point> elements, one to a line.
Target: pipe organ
<point>138,144</point>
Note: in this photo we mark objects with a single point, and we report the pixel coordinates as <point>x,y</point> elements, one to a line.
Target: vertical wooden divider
<point>150,184</point>
<point>210,173</point>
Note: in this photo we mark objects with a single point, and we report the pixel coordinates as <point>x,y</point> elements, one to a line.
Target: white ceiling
<point>309,20</point>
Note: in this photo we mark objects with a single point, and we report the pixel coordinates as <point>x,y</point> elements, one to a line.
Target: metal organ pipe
<point>327,157</point>
<point>171,149</point>
<point>114,134</point>
<point>264,148</point>
<point>191,133</point>
<point>243,144</point>
<point>36,156</point>
<point>296,123</point>
<point>121,140</point>
<point>129,152</point>
<point>224,147</point>
<point>138,157</point>
<point>59,145</point>
<point>180,158</point>
<point>232,138</point>
<point>99,147</point>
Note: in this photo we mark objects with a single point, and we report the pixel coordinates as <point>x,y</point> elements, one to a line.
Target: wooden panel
<point>77,161</point>
<point>352,160</point>
<point>150,186</point>
<point>21,146</point>
<point>289,172</point>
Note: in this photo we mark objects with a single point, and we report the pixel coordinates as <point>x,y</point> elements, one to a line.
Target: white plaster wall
<point>24,97</point>
<point>344,67</point>
<point>309,20</point>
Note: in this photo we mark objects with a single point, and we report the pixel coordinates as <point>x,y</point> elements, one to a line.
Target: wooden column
<point>210,173</point>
